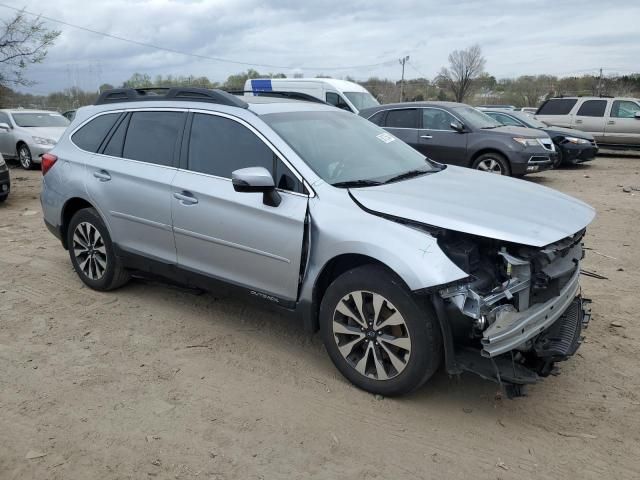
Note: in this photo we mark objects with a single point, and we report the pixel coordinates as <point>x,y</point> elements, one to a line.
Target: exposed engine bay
<point>520,308</point>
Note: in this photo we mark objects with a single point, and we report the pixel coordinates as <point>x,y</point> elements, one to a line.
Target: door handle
<point>186,198</point>
<point>102,175</point>
<point>611,122</point>
<point>426,136</point>
<point>578,121</point>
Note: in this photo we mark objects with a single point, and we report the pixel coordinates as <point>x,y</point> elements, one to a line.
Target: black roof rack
<point>189,94</point>
<point>272,93</point>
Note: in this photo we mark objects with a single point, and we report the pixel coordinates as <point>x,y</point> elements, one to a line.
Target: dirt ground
<point>151,381</point>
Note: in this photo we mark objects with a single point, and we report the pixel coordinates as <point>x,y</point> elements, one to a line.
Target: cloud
<point>517,37</point>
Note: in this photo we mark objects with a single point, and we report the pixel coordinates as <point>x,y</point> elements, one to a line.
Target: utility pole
<point>600,83</point>
<point>402,61</point>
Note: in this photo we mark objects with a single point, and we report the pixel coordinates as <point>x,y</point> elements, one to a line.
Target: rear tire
<point>91,252</point>
<point>492,163</point>
<point>378,335</point>
<point>3,198</point>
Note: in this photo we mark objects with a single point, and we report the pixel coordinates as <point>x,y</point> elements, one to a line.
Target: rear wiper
<point>356,183</point>
<point>410,174</point>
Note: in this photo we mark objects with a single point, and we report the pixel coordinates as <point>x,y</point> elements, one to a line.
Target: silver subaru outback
<point>402,263</point>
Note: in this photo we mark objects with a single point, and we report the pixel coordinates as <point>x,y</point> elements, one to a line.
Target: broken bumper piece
<point>513,329</point>
<point>559,342</point>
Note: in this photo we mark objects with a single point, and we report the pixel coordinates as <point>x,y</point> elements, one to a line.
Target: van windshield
<point>346,150</point>
<point>361,100</point>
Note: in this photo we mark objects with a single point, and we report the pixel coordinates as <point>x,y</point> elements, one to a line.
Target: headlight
<point>527,142</point>
<point>2,162</point>
<point>44,141</point>
<point>576,140</point>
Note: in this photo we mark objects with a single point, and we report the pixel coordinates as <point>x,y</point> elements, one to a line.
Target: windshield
<point>475,118</point>
<point>361,100</point>
<point>343,148</point>
<point>40,119</point>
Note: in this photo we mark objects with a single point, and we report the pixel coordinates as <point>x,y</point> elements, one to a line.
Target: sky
<point>358,38</point>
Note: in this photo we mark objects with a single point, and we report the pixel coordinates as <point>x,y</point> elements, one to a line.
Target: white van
<point>341,93</point>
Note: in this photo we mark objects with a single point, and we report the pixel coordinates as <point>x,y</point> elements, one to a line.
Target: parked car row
<point>401,262</point>
<point>458,134</point>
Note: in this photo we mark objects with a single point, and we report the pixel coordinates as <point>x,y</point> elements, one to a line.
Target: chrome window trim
<point>243,122</point>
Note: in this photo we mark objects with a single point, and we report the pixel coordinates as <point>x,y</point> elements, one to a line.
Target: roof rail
<point>283,94</point>
<point>189,94</point>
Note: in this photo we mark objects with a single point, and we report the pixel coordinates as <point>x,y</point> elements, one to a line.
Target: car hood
<point>517,132</point>
<point>481,204</point>
<point>53,133</point>
<point>569,132</point>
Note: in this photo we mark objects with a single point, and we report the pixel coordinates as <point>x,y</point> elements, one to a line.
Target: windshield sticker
<point>386,137</point>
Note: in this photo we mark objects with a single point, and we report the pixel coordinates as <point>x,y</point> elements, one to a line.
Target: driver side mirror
<point>457,126</point>
<point>4,127</point>
<point>256,179</point>
<point>636,115</point>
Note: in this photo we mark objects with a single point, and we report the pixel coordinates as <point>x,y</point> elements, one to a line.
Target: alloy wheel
<point>89,250</point>
<point>24,155</point>
<point>490,165</point>
<point>371,335</point>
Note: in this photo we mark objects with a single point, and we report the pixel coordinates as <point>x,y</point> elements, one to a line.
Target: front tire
<point>91,252</point>
<point>25,158</point>
<point>378,335</point>
<point>557,162</point>
<point>492,163</point>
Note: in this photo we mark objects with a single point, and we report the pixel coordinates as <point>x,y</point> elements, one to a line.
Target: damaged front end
<point>519,312</point>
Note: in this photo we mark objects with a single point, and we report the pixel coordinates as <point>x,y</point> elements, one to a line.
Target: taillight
<point>48,160</point>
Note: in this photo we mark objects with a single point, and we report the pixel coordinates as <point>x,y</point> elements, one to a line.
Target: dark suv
<point>458,134</point>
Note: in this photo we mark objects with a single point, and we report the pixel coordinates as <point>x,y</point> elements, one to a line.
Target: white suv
<point>613,121</point>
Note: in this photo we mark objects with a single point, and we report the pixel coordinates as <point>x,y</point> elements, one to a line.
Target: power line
<point>194,55</point>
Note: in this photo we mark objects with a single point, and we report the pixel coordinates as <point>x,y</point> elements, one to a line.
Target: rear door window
<point>592,108</point>
<point>91,135</point>
<point>402,118</point>
<point>557,106</point>
<point>153,137</point>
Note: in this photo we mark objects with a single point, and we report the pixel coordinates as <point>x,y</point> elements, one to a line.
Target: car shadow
<point>280,331</point>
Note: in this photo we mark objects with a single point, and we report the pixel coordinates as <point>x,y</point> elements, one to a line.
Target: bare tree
<point>465,66</point>
<point>23,41</point>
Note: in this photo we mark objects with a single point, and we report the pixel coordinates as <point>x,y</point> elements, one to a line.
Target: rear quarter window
<point>557,106</point>
<point>90,136</point>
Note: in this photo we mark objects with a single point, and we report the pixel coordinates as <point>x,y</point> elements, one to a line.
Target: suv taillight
<point>48,160</point>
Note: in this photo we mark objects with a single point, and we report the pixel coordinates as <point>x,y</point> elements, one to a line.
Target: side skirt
<point>174,274</point>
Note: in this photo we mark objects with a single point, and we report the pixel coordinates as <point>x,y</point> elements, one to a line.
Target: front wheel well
<point>332,270</point>
<point>487,150</point>
<point>68,211</point>
<point>20,143</point>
